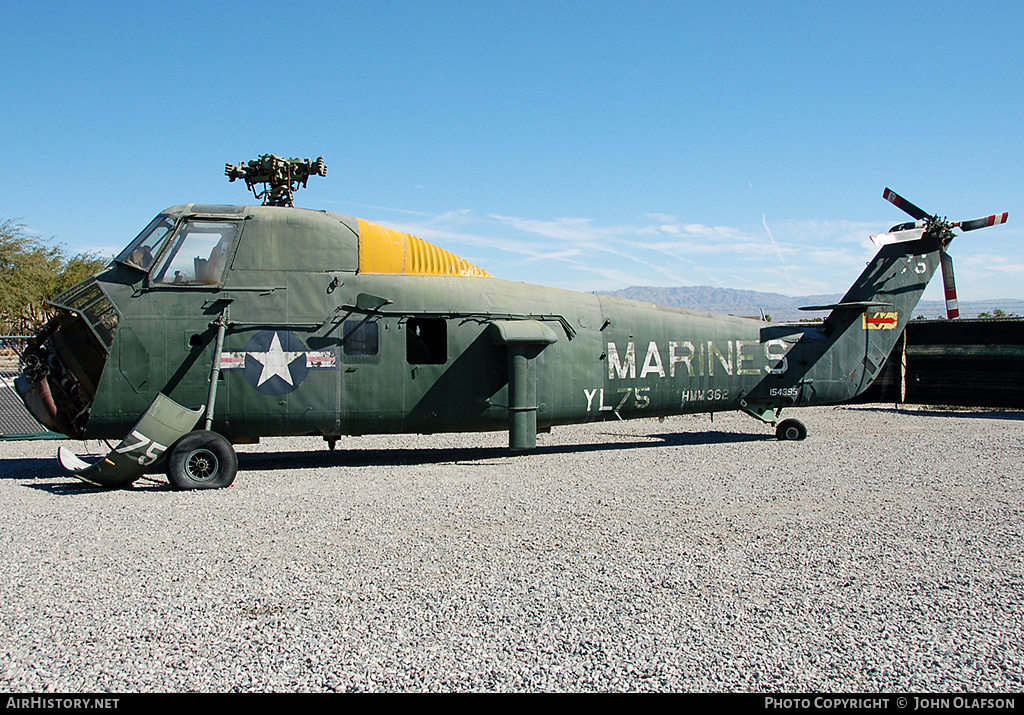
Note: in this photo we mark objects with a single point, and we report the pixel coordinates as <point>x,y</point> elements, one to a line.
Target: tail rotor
<point>939,229</point>
<point>949,285</point>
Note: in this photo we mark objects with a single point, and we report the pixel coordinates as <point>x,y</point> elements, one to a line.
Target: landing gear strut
<point>787,430</point>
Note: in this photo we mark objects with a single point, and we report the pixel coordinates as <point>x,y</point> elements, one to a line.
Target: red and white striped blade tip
<point>993,220</point>
<point>883,239</point>
<point>900,202</point>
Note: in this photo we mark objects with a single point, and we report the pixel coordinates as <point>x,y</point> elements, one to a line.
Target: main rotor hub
<point>940,228</point>
<point>281,177</point>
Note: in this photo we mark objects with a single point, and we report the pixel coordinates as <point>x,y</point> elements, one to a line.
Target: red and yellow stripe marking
<point>880,321</point>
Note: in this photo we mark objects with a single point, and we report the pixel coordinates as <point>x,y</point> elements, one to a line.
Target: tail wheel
<point>791,430</point>
<point>201,460</point>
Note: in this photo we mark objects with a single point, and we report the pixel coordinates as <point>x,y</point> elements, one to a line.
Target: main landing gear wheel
<point>201,460</point>
<point>791,430</point>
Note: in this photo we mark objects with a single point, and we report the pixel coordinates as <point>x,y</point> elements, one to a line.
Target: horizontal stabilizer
<point>853,305</point>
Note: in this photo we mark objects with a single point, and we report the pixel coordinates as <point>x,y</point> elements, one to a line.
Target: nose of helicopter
<point>63,363</point>
<point>38,401</point>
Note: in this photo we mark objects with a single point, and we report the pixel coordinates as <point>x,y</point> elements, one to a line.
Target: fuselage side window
<point>362,338</point>
<point>426,341</point>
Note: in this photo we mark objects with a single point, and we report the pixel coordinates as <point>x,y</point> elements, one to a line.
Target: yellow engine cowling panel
<point>384,250</point>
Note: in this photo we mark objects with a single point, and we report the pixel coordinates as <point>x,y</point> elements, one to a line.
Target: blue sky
<point>586,145</point>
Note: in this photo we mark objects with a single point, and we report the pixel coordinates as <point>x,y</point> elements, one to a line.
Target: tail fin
<point>842,359</point>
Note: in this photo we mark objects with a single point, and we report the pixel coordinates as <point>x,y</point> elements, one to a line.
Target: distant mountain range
<point>785,308</point>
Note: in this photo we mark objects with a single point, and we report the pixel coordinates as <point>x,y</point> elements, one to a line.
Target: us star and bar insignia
<point>275,362</point>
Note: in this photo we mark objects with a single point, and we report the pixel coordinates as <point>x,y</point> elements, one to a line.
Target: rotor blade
<point>897,200</point>
<point>993,220</point>
<point>949,285</point>
<point>910,234</point>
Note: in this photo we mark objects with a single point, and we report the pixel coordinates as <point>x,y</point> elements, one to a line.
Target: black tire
<point>791,430</point>
<point>201,460</point>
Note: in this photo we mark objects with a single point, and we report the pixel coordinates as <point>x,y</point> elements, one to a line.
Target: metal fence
<point>959,363</point>
<point>15,421</point>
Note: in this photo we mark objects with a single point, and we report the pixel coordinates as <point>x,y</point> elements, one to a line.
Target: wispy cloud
<point>775,247</point>
<point>555,255</point>
<point>982,264</point>
<point>798,257</point>
<point>377,208</point>
<point>578,230</point>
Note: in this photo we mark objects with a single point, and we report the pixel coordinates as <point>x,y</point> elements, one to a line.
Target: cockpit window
<point>198,253</point>
<point>141,252</point>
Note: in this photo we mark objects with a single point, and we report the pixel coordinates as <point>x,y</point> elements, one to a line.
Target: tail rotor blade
<point>949,285</point>
<point>937,231</point>
<point>993,220</point>
<point>910,234</point>
<point>900,202</point>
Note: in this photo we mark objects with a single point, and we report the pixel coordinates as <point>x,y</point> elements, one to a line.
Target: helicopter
<point>220,325</point>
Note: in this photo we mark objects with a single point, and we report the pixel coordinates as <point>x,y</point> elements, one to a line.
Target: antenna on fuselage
<point>281,177</point>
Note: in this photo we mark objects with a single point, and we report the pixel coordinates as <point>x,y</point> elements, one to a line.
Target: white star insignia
<point>276,361</point>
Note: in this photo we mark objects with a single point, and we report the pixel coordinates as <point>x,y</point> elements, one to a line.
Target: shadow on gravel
<point>52,479</point>
<point>68,485</point>
<point>398,457</point>
<point>967,414</point>
<point>45,474</point>
<point>29,468</point>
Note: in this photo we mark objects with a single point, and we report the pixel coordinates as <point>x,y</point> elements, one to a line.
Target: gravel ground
<point>881,554</point>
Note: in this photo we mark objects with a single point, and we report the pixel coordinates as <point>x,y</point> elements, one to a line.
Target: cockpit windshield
<point>198,253</point>
<point>146,246</point>
<point>194,254</point>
